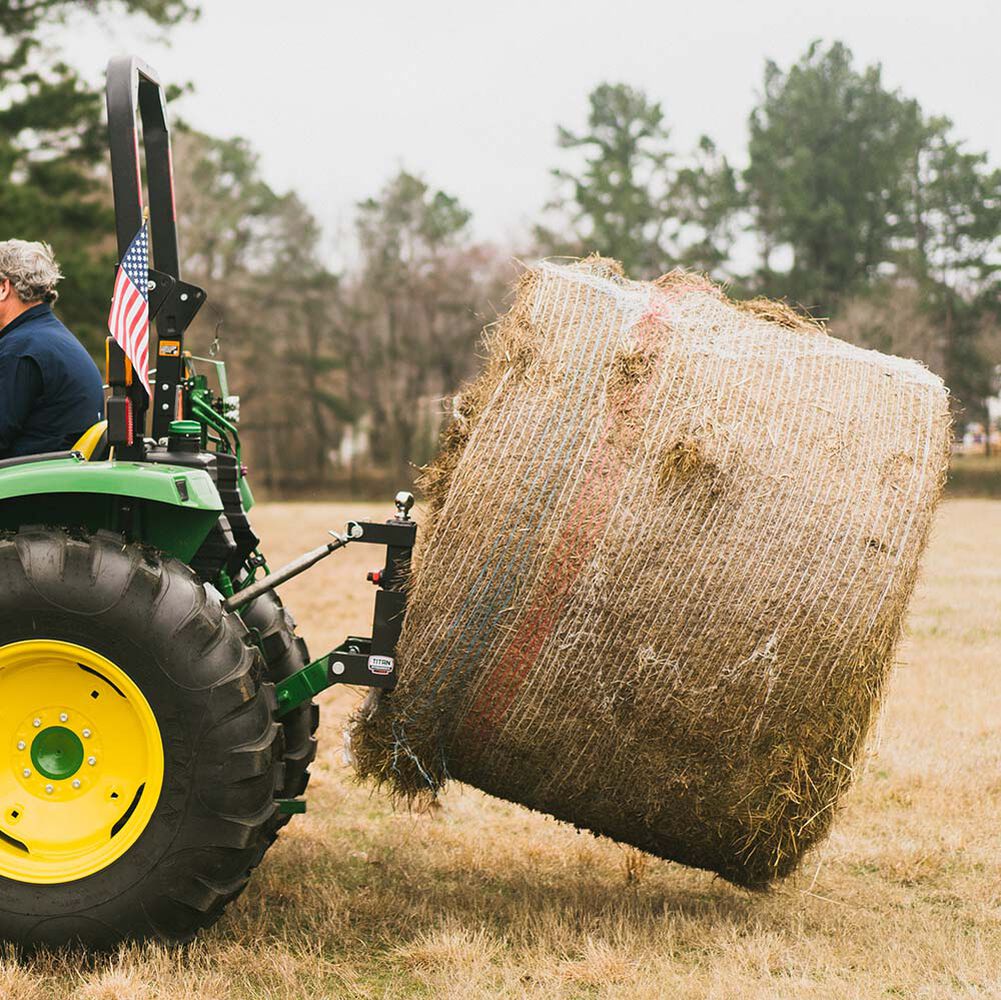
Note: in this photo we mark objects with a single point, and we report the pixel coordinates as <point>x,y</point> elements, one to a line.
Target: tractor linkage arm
<point>367,662</point>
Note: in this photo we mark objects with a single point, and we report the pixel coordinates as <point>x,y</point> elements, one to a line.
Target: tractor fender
<point>168,507</point>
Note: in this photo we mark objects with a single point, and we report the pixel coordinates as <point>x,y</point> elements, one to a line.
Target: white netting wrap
<point>671,545</point>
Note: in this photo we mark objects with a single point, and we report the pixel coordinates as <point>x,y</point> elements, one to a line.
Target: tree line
<point>850,200</point>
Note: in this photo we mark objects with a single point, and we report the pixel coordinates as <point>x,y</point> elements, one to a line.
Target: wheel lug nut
<point>21,744</point>
<point>36,722</point>
<point>27,772</point>
<point>76,782</point>
<point>49,789</point>
<point>63,717</point>
<point>86,734</point>
<point>92,761</point>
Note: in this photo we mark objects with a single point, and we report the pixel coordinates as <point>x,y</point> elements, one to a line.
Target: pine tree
<point>53,185</point>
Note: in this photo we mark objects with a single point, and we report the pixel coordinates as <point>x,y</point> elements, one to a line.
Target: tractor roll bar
<point>131,85</point>
<point>135,95</point>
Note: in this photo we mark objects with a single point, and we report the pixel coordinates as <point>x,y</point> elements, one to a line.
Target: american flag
<point>129,317</point>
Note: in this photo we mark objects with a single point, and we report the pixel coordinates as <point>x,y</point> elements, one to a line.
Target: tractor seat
<point>93,443</point>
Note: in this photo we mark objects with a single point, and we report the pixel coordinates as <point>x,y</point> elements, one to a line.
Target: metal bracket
<point>174,313</point>
<point>350,663</point>
<point>161,285</point>
<point>360,661</point>
<point>185,301</point>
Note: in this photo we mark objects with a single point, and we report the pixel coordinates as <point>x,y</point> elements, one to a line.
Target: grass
<point>482,899</point>
<point>975,476</point>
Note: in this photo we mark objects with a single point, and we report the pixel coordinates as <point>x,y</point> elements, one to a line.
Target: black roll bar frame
<point>136,97</point>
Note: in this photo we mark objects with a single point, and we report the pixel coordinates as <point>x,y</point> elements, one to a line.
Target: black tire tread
<point>231,808</point>
<point>284,654</point>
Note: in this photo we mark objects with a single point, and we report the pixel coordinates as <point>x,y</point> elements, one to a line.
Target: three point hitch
<point>368,662</point>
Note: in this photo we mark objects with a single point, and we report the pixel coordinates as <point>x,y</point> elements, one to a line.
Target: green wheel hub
<point>57,753</point>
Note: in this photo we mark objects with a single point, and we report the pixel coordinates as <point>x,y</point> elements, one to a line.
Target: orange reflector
<point>126,363</point>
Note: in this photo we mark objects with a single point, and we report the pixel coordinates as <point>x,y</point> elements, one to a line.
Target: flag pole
<point>142,399</point>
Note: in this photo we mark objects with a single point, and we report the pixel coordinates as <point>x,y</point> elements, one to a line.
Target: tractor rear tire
<point>196,726</point>
<point>285,653</point>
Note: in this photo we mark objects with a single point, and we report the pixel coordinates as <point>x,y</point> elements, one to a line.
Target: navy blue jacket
<point>50,389</point>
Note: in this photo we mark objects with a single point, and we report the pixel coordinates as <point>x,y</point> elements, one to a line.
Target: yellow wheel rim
<point>81,762</point>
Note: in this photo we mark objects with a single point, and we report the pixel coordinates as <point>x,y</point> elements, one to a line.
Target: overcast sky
<point>336,96</point>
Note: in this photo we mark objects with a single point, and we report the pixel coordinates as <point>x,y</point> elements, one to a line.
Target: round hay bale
<point>671,543</point>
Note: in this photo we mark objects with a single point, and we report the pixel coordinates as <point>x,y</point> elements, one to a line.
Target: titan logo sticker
<point>381,665</point>
<point>170,348</point>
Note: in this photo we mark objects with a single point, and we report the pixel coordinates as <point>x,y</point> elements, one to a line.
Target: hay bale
<point>671,543</point>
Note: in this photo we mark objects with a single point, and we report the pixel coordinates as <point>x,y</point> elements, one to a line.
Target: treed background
<point>849,199</point>
<point>399,164</point>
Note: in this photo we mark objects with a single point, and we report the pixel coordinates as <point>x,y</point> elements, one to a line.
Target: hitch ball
<point>404,503</point>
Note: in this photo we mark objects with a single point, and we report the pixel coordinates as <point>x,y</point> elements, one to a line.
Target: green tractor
<point>156,714</point>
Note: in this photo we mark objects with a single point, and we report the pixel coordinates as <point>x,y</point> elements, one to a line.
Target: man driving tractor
<point>50,389</point>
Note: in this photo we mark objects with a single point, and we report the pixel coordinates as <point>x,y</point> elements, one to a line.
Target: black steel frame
<point>135,96</point>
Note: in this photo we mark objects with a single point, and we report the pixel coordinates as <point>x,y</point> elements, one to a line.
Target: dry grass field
<point>483,899</point>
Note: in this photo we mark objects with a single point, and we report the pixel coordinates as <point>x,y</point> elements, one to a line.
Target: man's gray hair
<point>31,269</point>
